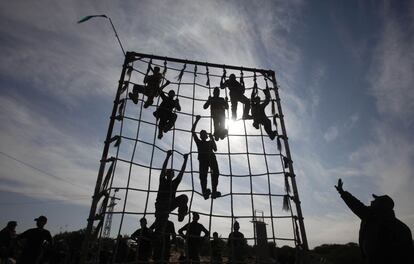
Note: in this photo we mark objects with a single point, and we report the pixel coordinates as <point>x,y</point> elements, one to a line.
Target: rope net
<point>255,172</point>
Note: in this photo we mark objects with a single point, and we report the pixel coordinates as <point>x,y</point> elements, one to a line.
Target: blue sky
<point>345,70</point>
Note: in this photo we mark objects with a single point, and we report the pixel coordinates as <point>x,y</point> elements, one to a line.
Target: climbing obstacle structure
<point>256,172</point>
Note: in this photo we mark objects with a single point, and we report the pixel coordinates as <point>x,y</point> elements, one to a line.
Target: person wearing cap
<point>7,241</point>
<point>35,239</point>
<point>382,237</point>
<point>165,112</point>
<point>193,237</point>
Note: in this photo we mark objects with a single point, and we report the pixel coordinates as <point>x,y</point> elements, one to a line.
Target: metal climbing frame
<point>136,160</point>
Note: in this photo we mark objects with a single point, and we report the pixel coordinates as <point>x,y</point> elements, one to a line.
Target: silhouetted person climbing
<point>7,241</point>
<point>207,159</point>
<point>259,115</point>
<point>218,106</point>
<point>383,238</point>
<point>165,112</point>
<point>166,200</point>
<point>236,95</point>
<point>35,239</point>
<point>236,244</point>
<point>193,237</point>
<point>216,249</point>
<point>164,232</point>
<point>143,237</point>
<point>151,88</point>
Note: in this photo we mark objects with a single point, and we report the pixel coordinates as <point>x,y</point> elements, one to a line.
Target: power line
<point>41,171</point>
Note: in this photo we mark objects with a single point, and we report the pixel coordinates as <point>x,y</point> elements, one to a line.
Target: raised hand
<point>339,187</point>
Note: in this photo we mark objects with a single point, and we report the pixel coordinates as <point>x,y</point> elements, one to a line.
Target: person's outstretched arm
<point>356,206</point>
<point>181,173</point>
<point>194,127</point>
<point>208,102</point>
<point>177,105</point>
<point>226,100</point>
<point>164,166</point>
<point>267,98</point>
<point>213,142</point>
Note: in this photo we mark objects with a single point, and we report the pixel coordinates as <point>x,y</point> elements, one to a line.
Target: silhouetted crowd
<point>30,243</point>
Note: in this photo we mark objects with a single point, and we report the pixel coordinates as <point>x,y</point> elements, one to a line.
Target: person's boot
<point>133,97</point>
<point>206,193</point>
<point>160,134</point>
<point>216,135</point>
<point>273,135</point>
<point>224,133</point>
<point>215,194</point>
<point>256,125</point>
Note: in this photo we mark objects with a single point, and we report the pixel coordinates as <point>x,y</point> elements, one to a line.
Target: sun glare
<point>235,126</point>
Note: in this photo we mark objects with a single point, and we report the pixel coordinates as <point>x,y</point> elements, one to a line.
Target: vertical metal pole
<point>294,186</point>
<point>96,196</point>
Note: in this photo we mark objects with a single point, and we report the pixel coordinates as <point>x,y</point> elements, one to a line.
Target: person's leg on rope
<point>233,101</point>
<point>135,91</point>
<point>170,122</point>
<point>268,128</point>
<point>161,124</point>
<point>222,125</point>
<point>214,178</point>
<point>217,127</point>
<point>180,202</point>
<point>246,108</point>
<point>203,178</point>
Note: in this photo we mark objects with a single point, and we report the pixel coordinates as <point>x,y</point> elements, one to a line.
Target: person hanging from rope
<point>207,159</point>
<point>165,112</point>
<point>151,87</point>
<point>193,237</point>
<point>382,237</point>
<point>236,95</point>
<point>236,244</point>
<point>258,112</point>
<point>143,238</point>
<point>218,106</point>
<point>164,235</point>
<point>166,200</point>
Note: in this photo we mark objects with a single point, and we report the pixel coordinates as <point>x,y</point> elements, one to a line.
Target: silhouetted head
<point>171,94</point>
<point>232,76</point>
<point>256,100</point>
<point>382,203</point>
<point>236,226</point>
<point>169,173</point>
<point>143,222</point>
<point>11,225</point>
<point>41,221</point>
<point>203,134</point>
<point>215,235</point>
<point>156,69</point>
<point>216,92</point>
<point>196,216</point>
